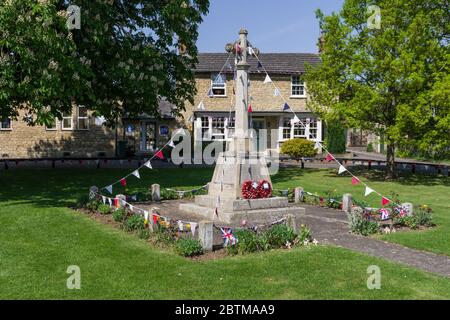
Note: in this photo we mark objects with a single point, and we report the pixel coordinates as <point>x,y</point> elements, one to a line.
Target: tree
<point>121,61</point>
<point>392,81</point>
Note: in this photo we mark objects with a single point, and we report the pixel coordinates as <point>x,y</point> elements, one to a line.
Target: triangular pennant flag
<point>210,93</point>
<point>368,191</point>
<point>171,144</point>
<point>329,157</point>
<point>104,199</point>
<point>123,182</point>
<point>181,132</point>
<point>159,155</point>
<point>259,65</point>
<point>136,174</point>
<point>146,213</point>
<point>267,80</point>
<point>110,201</point>
<point>317,145</point>
<point>180,225</point>
<point>277,92</point>
<point>286,107</point>
<point>355,181</point>
<point>385,201</point>
<point>193,228</point>
<point>250,109</point>
<point>201,106</point>
<point>251,51</point>
<point>109,189</point>
<point>296,120</point>
<point>148,164</point>
<point>342,169</point>
<point>155,219</point>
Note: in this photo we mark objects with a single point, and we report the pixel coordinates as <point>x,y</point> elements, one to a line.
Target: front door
<point>259,136</point>
<point>148,136</point>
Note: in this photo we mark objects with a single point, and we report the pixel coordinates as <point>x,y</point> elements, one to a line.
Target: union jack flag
<point>384,214</point>
<point>228,237</point>
<point>401,211</point>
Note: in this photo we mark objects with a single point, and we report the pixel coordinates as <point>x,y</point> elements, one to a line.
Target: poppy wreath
<point>250,190</point>
<point>264,189</point>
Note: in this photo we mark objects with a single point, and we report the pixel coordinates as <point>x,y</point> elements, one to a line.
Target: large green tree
<point>122,60</point>
<point>393,80</point>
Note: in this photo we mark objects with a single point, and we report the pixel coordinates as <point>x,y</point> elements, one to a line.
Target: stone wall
<point>24,141</point>
<point>262,94</point>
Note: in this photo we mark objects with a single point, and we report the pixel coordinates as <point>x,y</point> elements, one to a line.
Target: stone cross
<point>240,49</point>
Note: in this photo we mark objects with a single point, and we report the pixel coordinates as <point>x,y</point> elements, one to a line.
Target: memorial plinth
<point>224,201</point>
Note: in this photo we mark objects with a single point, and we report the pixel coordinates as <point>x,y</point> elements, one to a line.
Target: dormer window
<point>218,85</point>
<point>298,89</point>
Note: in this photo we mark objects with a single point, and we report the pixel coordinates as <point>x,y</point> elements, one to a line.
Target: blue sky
<point>273,25</point>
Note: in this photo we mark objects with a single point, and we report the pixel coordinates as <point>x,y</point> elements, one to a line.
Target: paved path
<point>330,226</point>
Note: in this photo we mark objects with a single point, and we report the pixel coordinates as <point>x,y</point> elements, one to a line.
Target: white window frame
<point>307,135</point>
<point>71,122</point>
<point>82,118</point>
<point>297,85</point>
<point>209,130</point>
<point>10,125</point>
<point>219,86</point>
<point>215,136</point>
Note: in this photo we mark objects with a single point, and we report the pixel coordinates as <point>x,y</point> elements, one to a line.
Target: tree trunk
<point>390,164</point>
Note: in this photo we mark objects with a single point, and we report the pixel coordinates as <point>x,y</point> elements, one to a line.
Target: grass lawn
<point>40,237</point>
<point>418,189</point>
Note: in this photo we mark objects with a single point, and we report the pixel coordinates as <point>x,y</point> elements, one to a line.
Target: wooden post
<point>205,235</point>
<point>156,192</point>
<point>291,222</point>
<point>299,195</point>
<point>347,203</point>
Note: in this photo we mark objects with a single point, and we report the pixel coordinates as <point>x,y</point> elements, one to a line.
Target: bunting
<point>267,80</point>
<point>250,109</point>
<point>193,228</point>
<point>342,169</point>
<point>277,92</point>
<point>201,106</point>
<point>148,164</point>
<point>296,120</point>
<point>171,144</point>
<point>286,107</point>
<point>109,189</point>
<point>123,182</point>
<point>136,174</point>
<point>329,157</point>
<point>159,155</point>
<point>355,181</point>
<point>368,191</point>
<point>385,201</point>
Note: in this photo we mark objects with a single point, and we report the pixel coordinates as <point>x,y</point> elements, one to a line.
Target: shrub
<point>359,225</point>
<point>163,235</point>
<point>279,235</point>
<point>299,148</point>
<point>119,215</point>
<point>424,216</point>
<point>305,234</point>
<point>93,205</point>
<point>188,247</point>
<point>133,223</point>
<point>144,234</point>
<point>104,209</point>
<point>249,241</point>
<point>168,194</point>
<point>335,139</point>
<point>370,147</point>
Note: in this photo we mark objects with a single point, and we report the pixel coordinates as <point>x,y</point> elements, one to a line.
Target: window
<point>286,129</point>
<point>67,121</point>
<point>83,119</point>
<point>218,85</point>
<point>306,128</point>
<point>5,124</point>
<point>299,130</point>
<point>205,128</point>
<point>297,87</point>
<point>313,128</point>
<point>218,128</point>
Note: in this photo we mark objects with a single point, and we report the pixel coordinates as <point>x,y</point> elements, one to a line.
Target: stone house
<point>80,135</point>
